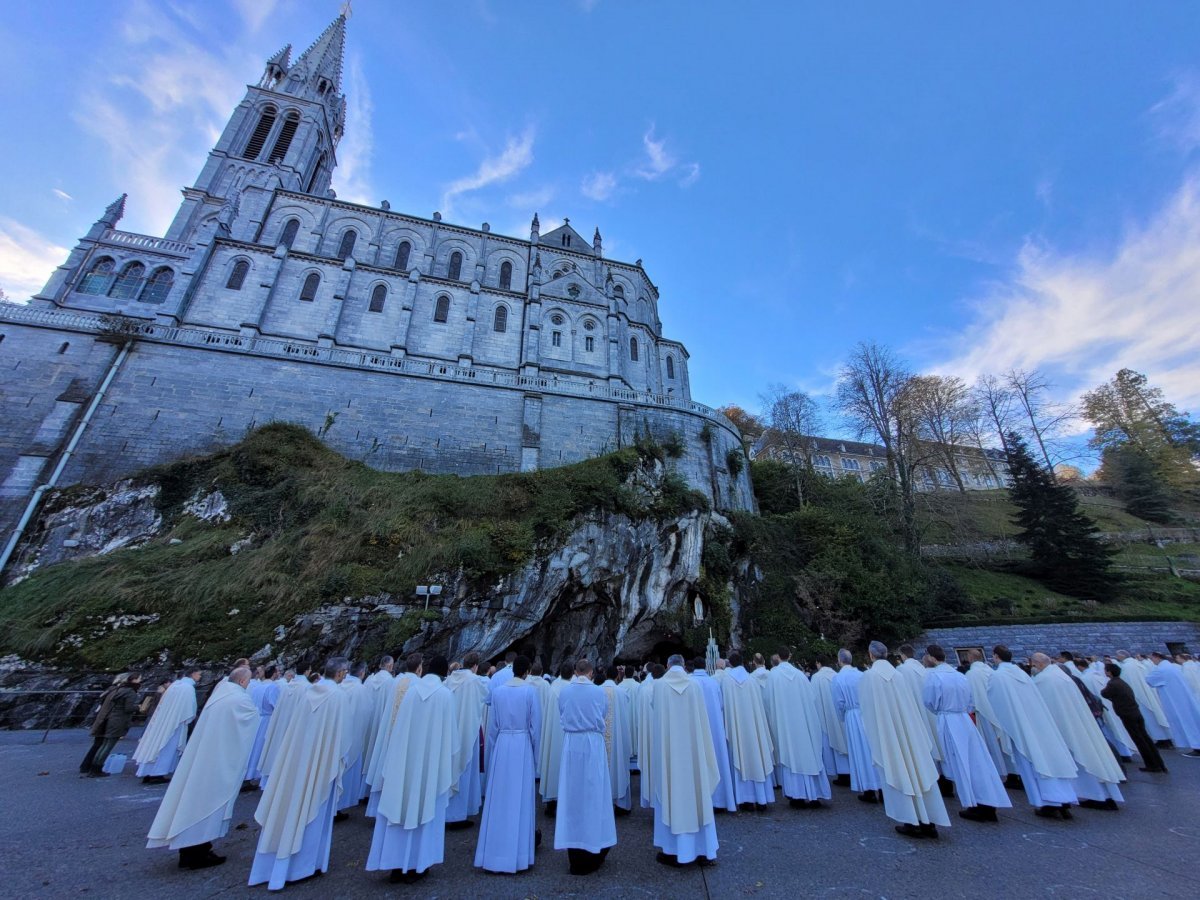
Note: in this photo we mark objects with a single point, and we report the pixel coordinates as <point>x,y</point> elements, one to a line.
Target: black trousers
<point>86,765</point>
<point>1136,726</point>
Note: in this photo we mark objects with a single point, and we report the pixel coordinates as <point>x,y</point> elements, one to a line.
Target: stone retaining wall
<point>1100,638</point>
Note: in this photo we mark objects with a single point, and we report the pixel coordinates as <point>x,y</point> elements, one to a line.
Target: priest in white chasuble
<point>714,702</point>
<point>617,740</point>
<point>1037,749</point>
<point>508,835</point>
<point>965,759</point>
<point>162,743</point>
<point>418,771</point>
<point>642,714</point>
<point>470,690</point>
<point>298,804</point>
<point>585,826</point>
<point>539,684</point>
<point>864,777</point>
<point>198,804</point>
<point>750,747</point>
<point>1181,707</point>
<point>383,735</point>
<point>979,676</point>
<point>833,732</point>
<point>379,691</point>
<point>911,673</point>
<point>1096,783</point>
<point>1133,673</point>
<point>901,749</point>
<point>358,720</point>
<point>685,769</point>
<point>791,707</point>
<point>552,738</point>
<point>285,707</point>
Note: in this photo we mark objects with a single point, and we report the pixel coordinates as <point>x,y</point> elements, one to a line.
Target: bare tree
<point>1043,420</point>
<point>944,413</point>
<point>794,418</point>
<point>872,394</point>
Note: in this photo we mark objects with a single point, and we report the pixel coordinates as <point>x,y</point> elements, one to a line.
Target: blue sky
<point>979,186</point>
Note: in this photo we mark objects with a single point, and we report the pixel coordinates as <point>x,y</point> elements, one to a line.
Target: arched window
<point>566,240</point>
<point>506,276</point>
<point>316,173</point>
<point>402,254</point>
<point>261,132</point>
<point>158,286</point>
<point>556,319</point>
<point>633,349</point>
<point>237,275</point>
<point>500,322</point>
<point>346,247</point>
<point>556,338</point>
<point>128,283</point>
<point>619,292</point>
<point>290,123</point>
<point>290,229</point>
<point>311,283</point>
<point>99,279</point>
<point>670,366</point>
<point>378,296</point>
<point>454,270</point>
<point>589,344</point>
<point>441,310</point>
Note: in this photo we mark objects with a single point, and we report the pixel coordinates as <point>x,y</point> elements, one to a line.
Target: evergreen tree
<point>1137,481</point>
<point>1062,541</point>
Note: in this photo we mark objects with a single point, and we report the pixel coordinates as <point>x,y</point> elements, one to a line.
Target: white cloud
<point>691,175</point>
<point>1176,117</point>
<point>1082,317</point>
<point>254,12</point>
<point>599,186</point>
<point>532,201</point>
<point>26,259</point>
<point>516,156</point>
<point>658,161</point>
<point>352,177</point>
<point>61,195</point>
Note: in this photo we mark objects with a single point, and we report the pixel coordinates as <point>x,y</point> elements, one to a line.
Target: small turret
<point>533,229</point>
<point>277,67</point>
<point>113,213</point>
<point>596,246</point>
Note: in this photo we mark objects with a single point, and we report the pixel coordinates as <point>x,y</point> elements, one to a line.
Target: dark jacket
<point>1120,695</point>
<point>117,707</point>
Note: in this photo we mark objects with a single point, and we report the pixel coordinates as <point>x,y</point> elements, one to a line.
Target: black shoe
<point>341,816</point>
<point>537,838</point>
<point>704,862</point>
<point>399,876</point>
<point>97,773</point>
<point>1047,812</point>
<point>760,807</point>
<point>946,786</point>
<point>1163,743</point>
<point>1192,754</point>
<point>1110,804</point>
<point>929,831</point>
<point>869,796</point>
<point>460,826</point>
<point>1064,812</point>
<point>1153,771</point>
<point>912,831</point>
<point>155,779</point>
<point>798,803</point>
<point>1013,782</point>
<point>551,808</point>
<point>247,786</point>
<point>842,780</point>
<point>668,859</point>
<point>619,811</point>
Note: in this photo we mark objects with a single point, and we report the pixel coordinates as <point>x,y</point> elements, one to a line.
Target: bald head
<point>1039,661</point>
<point>974,656</point>
<point>240,676</point>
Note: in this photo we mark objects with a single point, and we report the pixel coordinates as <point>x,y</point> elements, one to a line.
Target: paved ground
<point>62,836</point>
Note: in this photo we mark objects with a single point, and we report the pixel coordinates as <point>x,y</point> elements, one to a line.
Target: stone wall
<point>169,400</point>
<point>1099,638</point>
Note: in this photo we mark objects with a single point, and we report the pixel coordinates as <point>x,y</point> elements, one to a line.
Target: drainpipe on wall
<point>36,499</point>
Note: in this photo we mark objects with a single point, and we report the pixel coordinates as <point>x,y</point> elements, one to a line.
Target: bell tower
<point>284,134</point>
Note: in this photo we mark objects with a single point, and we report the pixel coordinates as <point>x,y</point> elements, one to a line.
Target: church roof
<point>324,57</point>
<point>282,58</point>
<point>574,240</point>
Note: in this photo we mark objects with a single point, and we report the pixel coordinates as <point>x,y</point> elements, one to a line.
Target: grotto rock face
<point>616,587</point>
<point>75,525</point>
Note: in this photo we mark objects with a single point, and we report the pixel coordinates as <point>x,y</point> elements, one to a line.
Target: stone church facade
<point>406,342</point>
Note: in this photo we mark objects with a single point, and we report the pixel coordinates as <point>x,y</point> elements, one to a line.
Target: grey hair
<point>359,669</point>
<point>878,649</point>
<point>1122,654</point>
<point>240,675</point>
<point>845,657</point>
<point>336,664</point>
<point>674,660</point>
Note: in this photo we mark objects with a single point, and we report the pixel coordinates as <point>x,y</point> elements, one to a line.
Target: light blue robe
<point>723,796</point>
<point>965,758</point>
<point>509,820</point>
<point>585,809</point>
<point>863,774</point>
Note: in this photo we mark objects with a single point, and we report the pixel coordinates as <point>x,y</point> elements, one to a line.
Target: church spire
<point>114,212</point>
<point>323,60</point>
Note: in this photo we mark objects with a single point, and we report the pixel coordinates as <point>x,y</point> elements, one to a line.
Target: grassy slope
<point>1000,593</point>
<point>324,527</point>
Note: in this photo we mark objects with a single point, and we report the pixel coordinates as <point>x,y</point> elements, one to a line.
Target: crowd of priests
<point>421,745</point>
